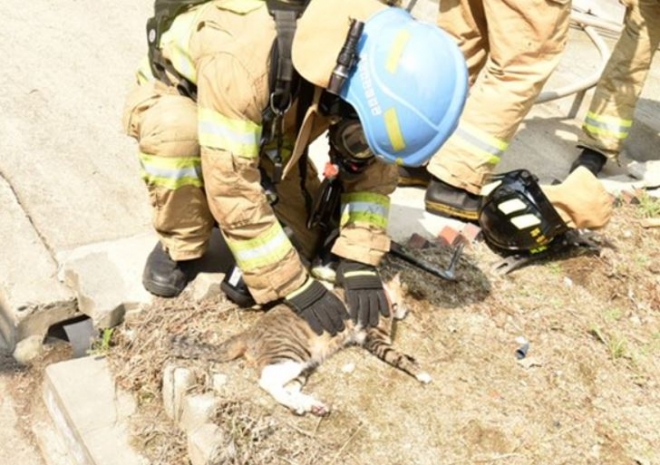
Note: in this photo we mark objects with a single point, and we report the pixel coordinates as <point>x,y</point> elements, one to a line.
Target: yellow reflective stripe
<point>171,172</point>
<point>240,137</point>
<point>266,249</point>
<point>478,141</point>
<point>301,289</point>
<point>394,130</point>
<point>365,207</point>
<point>612,126</point>
<point>144,73</point>
<point>394,55</point>
<point>183,63</point>
<point>177,39</point>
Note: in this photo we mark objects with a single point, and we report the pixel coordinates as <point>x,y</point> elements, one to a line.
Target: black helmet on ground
<point>516,216</point>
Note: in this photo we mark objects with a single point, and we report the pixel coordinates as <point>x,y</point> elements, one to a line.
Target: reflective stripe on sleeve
<point>240,137</point>
<point>609,126</point>
<point>266,249</point>
<point>365,207</point>
<point>171,172</point>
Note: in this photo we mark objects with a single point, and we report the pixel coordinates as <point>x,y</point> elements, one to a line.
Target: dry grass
<point>587,392</point>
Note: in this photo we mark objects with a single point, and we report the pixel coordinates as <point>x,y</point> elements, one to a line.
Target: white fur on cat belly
<point>273,380</point>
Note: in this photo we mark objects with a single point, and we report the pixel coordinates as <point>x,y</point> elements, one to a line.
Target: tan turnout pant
<point>165,125</point>
<point>511,48</point>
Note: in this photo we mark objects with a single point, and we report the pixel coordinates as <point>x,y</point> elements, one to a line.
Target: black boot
<point>446,200</point>
<point>414,176</point>
<point>163,276</point>
<point>591,160</point>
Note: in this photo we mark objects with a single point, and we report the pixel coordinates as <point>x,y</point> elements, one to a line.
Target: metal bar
<point>449,274</point>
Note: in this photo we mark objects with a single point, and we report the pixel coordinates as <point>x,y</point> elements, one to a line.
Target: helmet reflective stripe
<point>525,221</point>
<point>408,87</point>
<point>515,214</point>
<point>511,206</point>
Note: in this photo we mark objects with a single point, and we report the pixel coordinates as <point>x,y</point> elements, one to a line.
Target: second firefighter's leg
<point>610,115</point>
<point>165,125</point>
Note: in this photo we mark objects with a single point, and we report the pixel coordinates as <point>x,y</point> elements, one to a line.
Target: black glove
<point>321,308</point>
<point>365,294</point>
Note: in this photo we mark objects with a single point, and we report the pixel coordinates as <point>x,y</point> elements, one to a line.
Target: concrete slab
<point>66,71</point>
<point>107,277</point>
<point>31,297</point>
<point>91,414</point>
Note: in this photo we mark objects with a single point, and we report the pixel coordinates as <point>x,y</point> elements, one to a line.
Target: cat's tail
<point>230,349</point>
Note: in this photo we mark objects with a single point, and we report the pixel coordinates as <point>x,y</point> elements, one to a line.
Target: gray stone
<point>106,277</point>
<point>206,446</point>
<point>648,171</point>
<point>90,412</point>
<point>206,286</point>
<point>197,410</point>
<point>177,381</point>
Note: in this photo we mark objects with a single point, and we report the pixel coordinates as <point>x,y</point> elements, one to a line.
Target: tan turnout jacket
<point>201,160</point>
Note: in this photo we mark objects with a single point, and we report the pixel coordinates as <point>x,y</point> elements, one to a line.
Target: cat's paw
<point>424,377</point>
<point>308,404</point>
<point>320,409</point>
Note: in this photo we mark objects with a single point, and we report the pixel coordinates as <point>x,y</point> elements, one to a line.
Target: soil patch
<point>586,391</point>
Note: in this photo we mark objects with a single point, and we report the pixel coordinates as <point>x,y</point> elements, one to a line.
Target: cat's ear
<point>396,280</point>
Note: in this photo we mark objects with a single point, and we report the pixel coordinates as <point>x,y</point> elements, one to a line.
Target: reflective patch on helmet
<point>525,221</point>
<point>510,206</point>
<point>394,56</point>
<point>490,187</point>
<point>394,130</point>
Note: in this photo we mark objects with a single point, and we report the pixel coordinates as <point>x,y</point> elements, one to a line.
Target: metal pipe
<point>590,81</point>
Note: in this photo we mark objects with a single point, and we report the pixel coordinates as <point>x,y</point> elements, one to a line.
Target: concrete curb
<point>90,412</point>
<point>31,297</point>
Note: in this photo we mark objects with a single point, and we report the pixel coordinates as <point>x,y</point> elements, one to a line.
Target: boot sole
<point>413,182</point>
<point>446,210</point>
<point>161,290</point>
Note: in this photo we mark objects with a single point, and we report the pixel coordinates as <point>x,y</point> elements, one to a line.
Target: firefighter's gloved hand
<point>321,308</point>
<point>365,293</point>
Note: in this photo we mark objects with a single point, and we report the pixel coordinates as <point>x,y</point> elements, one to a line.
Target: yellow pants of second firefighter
<point>511,48</point>
<point>165,126</point>
<point>610,115</point>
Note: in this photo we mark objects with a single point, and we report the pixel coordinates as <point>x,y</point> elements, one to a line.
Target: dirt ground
<point>586,392</point>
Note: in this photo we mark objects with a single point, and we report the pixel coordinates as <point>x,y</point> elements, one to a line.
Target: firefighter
<point>511,48</point>
<point>610,116</point>
<point>210,129</point>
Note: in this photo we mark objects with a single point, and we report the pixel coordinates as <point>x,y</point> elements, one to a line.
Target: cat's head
<point>395,291</point>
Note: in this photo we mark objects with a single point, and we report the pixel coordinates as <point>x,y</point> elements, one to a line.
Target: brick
<point>471,232</point>
<point>630,198</point>
<point>418,242</point>
<point>450,237</point>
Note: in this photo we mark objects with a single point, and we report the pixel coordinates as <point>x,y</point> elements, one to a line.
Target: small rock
<point>568,282</point>
<point>529,362</point>
<point>28,349</point>
<point>348,368</point>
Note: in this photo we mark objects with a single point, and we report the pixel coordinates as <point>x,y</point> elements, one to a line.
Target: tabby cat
<point>285,350</point>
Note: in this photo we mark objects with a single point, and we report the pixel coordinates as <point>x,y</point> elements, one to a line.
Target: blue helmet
<point>408,87</point>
